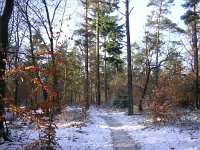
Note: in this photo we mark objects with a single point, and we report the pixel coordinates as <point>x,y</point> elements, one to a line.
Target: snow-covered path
<point>157,137</point>
<point>94,135</point>
<point>121,139</point>
<point>99,133</point>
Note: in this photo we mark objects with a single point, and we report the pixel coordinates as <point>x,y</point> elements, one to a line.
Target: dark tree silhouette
<point>4,19</point>
<point>130,91</point>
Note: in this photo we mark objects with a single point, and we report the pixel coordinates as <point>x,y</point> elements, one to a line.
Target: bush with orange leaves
<point>161,107</point>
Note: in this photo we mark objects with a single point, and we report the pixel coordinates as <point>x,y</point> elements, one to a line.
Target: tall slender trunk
<point>16,61</point>
<point>98,92</point>
<point>105,79</point>
<point>86,86</point>
<point>196,66</point>
<point>4,20</point>
<point>144,89</point>
<point>147,74</point>
<point>91,92</point>
<point>16,92</point>
<point>71,97</point>
<point>130,89</point>
<point>54,66</point>
<point>158,44</point>
<point>147,55</point>
<point>65,84</point>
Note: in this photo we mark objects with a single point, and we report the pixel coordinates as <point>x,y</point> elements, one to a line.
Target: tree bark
<point>86,86</point>
<point>130,89</point>
<point>144,89</point>
<point>54,66</point>
<point>98,93</point>
<point>196,57</point>
<point>16,61</point>
<point>105,79</point>
<point>158,43</point>
<point>4,20</point>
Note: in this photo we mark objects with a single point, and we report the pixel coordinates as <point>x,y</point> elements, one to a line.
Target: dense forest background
<point>42,67</point>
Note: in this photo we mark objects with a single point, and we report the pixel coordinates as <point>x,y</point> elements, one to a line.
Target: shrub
<point>121,102</point>
<point>183,102</point>
<point>161,107</point>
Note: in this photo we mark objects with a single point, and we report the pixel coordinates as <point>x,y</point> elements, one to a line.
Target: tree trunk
<point>4,19</point>
<point>158,43</point>
<point>147,76</point>
<point>196,66</point>
<point>86,86</point>
<point>16,60</point>
<point>65,85</point>
<point>145,89</point>
<point>45,94</point>
<point>55,99</point>
<point>98,94</point>
<point>16,92</point>
<point>130,91</point>
<point>105,79</point>
<point>71,98</point>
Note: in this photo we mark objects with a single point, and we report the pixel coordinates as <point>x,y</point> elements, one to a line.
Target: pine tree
<point>86,86</point>
<point>98,90</point>
<point>112,35</point>
<point>100,9</point>
<point>158,22</point>
<point>84,31</point>
<point>157,49</point>
<point>130,88</point>
<point>191,18</point>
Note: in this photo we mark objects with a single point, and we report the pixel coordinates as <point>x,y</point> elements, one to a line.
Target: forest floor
<point>112,129</point>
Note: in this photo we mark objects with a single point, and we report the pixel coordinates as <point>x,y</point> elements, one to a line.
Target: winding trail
<point>120,138</point>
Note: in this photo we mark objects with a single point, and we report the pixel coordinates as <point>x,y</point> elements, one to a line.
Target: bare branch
<point>131,10</point>
<point>121,13</point>
<point>39,15</point>
<point>61,24</point>
<point>27,55</point>
<point>48,20</point>
<point>54,12</point>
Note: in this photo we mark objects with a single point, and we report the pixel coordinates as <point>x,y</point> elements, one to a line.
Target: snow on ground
<point>70,134</point>
<point>157,137</point>
<point>96,135</point>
